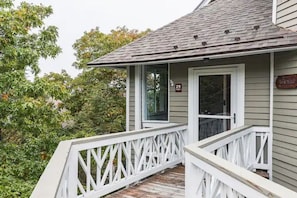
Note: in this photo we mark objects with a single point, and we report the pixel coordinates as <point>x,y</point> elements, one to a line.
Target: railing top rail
<point>125,134</point>
<point>221,136</point>
<point>214,142</point>
<point>49,181</point>
<point>254,181</point>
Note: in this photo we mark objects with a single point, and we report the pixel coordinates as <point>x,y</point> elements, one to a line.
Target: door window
<point>214,109</point>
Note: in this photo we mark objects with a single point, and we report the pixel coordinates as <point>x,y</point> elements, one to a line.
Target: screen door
<point>215,109</point>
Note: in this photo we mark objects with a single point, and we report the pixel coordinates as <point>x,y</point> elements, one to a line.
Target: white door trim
<point>238,69</point>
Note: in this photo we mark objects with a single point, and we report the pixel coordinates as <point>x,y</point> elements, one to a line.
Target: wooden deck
<point>170,183</point>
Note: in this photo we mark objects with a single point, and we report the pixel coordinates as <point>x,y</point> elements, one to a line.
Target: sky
<point>74,17</point>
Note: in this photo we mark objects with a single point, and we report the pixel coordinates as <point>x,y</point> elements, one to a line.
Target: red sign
<point>178,87</point>
<point>286,81</point>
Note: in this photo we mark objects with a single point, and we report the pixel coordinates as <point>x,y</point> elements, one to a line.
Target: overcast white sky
<point>74,17</point>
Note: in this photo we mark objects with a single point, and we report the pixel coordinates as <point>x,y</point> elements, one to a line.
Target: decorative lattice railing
<point>222,166</point>
<point>96,166</point>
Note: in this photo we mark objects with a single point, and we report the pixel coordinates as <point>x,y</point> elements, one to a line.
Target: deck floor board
<point>170,183</point>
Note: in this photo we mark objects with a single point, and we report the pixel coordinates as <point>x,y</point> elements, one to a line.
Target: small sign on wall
<point>178,87</point>
<point>286,81</point>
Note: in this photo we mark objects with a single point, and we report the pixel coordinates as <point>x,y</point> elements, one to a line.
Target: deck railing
<point>222,165</point>
<point>96,166</point>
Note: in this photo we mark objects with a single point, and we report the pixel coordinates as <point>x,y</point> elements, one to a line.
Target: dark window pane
<point>156,92</point>
<point>214,95</point>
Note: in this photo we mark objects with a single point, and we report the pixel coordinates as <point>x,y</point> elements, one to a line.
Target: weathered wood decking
<point>170,183</point>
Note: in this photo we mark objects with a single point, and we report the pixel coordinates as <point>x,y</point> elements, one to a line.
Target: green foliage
<point>22,164</point>
<point>98,102</point>
<point>23,40</point>
<point>30,119</point>
<point>23,36</point>
<point>32,107</point>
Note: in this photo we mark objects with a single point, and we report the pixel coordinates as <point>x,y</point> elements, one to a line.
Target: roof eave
<point>197,58</point>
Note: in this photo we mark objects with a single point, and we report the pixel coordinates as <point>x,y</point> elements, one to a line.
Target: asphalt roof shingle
<point>223,26</point>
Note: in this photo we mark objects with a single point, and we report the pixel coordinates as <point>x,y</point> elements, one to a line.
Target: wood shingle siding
<point>286,14</point>
<point>285,124</point>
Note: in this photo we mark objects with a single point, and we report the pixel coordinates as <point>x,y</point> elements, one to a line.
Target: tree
<point>24,38</point>
<point>98,101</point>
<point>29,119</point>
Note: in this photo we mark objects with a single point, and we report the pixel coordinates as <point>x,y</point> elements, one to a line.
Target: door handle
<point>234,118</point>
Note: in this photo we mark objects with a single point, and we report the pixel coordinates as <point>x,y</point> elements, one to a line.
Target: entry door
<point>216,102</point>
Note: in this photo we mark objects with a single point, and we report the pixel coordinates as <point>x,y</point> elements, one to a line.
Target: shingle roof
<point>224,26</point>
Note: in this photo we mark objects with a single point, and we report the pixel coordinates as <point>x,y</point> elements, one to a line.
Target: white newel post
<point>192,176</point>
<point>73,173</point>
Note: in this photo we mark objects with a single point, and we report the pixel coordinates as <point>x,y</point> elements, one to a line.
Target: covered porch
<point>219,166</point>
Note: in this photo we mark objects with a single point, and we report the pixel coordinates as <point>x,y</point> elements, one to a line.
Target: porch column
<point>270,137</point>
<point>128,99</point>
<point>138,90</point>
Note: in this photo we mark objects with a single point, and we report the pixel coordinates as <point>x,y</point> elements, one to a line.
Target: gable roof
<point>222,27</point>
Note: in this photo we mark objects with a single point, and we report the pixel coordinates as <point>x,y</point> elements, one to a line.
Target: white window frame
<point>239,70</point>
<point>274,10</point>
<point>154,123</point>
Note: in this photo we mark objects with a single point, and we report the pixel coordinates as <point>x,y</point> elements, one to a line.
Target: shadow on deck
<point>169,183</point>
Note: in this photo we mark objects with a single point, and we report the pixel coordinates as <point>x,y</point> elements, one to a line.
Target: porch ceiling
<point>222,27</point>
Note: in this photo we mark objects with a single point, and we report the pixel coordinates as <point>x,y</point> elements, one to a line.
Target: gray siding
<point>179,100</point>
<point>286,14</point>
<point>285,124</point>
<point>256,93</point>
<point>132,100</point>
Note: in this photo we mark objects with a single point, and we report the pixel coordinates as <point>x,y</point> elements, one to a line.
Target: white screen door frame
<point>237,96</point>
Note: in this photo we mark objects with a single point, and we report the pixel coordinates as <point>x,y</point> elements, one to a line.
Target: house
<point>226,74</point>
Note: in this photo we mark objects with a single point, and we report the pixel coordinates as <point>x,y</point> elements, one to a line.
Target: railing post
<point>73,173</point>
<point>192,176</point>
<point>253,148</point>
<point>270,153</point>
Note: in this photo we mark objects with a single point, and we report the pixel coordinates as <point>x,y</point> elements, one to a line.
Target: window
<point>156,92</point>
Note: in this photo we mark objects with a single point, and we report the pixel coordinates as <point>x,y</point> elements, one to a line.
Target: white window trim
<point>192,105</point>
<point>128,99</point>
<point>154,123</point>
<point>274,10</point>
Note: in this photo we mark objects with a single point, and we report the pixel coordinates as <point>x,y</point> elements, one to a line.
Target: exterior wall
<point>256,84</point>
<point>285,124</point>
<point>132,100</point>
<point>256,93</point>
<point>178,101</point>
<point>286,14</point>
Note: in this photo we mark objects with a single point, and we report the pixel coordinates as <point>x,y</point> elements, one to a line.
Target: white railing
<point>222,165</point>
<point>96,166</point>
